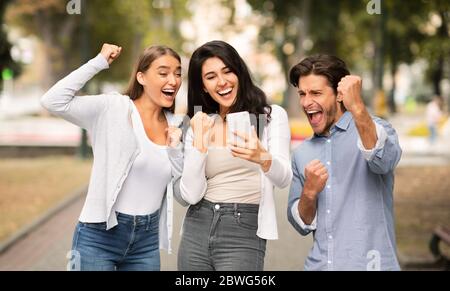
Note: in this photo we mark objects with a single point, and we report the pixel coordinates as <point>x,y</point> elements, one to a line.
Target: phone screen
<point>238,121</point>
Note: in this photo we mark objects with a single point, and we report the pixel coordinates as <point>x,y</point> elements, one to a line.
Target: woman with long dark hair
<point>229,184</point>
<point>127,214</point>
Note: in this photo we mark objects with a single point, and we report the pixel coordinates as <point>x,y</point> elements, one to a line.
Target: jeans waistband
<point>138,219</point>
<point>219,206</point>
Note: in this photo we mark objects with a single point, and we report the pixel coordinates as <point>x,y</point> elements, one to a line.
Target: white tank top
<point>231,179</point>
<point>144,188</point>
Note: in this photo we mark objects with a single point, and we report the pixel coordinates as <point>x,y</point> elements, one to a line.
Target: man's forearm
<point>307,208</point>
<point>366,128</point>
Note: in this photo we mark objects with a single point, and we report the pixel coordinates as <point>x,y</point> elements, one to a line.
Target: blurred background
<point>400,48</point>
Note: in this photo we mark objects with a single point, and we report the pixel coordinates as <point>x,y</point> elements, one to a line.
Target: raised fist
<point>349,92</point>
<point>201,125</point>
<point>110,52</point>
<point>173,136</point>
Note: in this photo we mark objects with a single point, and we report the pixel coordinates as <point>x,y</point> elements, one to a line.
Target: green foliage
<point>6,62</point>
<point>346,28</point>
<point>72,39</point>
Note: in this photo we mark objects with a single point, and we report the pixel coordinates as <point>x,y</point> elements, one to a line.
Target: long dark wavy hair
<point>147,57</point>
<point>249,97</point>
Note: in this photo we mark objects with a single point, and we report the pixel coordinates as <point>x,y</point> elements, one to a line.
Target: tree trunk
<point>46,32</point>
<point>329,44</point>
<point>438,72</point>
<point>64,32</point>
<point>391,100</point>
<point>437,75</point>
<point>379,98</point>
<point>293,106</point>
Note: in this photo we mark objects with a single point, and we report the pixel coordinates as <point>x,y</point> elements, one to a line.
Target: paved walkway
<point>46,247</point>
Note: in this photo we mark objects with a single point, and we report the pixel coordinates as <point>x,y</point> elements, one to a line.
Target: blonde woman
<point>128,208</point>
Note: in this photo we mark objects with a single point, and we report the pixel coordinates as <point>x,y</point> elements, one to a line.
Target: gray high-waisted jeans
<point>221,237</point>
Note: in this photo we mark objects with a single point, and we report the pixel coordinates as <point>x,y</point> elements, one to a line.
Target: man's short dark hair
<point>331,67</point>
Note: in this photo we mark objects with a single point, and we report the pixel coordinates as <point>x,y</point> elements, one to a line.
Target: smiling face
<point>220,83</point>
<point>319,103</point>
<point>161,81</point>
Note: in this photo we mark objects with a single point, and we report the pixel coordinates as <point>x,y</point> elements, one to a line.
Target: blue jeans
<point>132,245</point>
<point>221,237</point>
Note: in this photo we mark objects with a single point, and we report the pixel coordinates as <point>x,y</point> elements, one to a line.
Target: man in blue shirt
<point>343,175</point>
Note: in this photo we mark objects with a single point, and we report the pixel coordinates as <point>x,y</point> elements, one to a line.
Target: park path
<point>46,246</point>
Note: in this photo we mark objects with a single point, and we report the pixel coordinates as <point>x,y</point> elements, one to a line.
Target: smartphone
<point>238,121</point>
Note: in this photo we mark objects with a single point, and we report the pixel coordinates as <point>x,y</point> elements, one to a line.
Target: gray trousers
<point>221,237</point>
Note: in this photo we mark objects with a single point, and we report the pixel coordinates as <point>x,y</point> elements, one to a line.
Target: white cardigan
<point>276,139</point>
<point>107,118</point>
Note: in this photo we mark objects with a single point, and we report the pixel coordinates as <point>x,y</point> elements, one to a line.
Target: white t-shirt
<point>144,188</point>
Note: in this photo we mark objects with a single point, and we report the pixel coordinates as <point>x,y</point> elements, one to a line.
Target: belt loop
<point>148,222</point>
<point>134,220</point>
<point>235,209</point>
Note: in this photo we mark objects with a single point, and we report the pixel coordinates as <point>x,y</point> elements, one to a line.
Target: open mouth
<point>314,116</point>
<point>225,92</point>
<point>169,93</point>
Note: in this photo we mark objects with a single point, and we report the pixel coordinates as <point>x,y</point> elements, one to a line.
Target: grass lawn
<point>422,201</point>
<point>30,186</point>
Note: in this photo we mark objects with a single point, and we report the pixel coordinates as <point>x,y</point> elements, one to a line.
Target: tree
<point>297,28</point>
<point>415,31</point>
<point>436,46</point>
<point>131,24</point>
<point>6,61</point>
<point>403,33</point>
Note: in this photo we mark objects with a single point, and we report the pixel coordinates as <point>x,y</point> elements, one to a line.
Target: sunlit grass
<point>422,201</point>
<point>30,186</point>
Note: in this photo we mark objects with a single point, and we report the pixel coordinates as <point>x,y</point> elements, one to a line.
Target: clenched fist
<point>173,136</point>
<point>110,52</point>
<point>349,92</point>
<point>316,176</point>
<point>201,125</point>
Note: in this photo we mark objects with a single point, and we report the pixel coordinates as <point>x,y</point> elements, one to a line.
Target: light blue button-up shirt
<point>354,224</point>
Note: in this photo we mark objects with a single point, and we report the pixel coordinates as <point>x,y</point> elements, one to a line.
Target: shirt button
<point>328,211</point>
<point>328,186</point>
<point>217,206</point>
<point>330,237</point>
<point>329,262</point>
<point>328,140</point>
<point>328,163</point>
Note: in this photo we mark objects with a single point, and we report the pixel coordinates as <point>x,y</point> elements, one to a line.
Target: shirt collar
<point>344,121</point>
